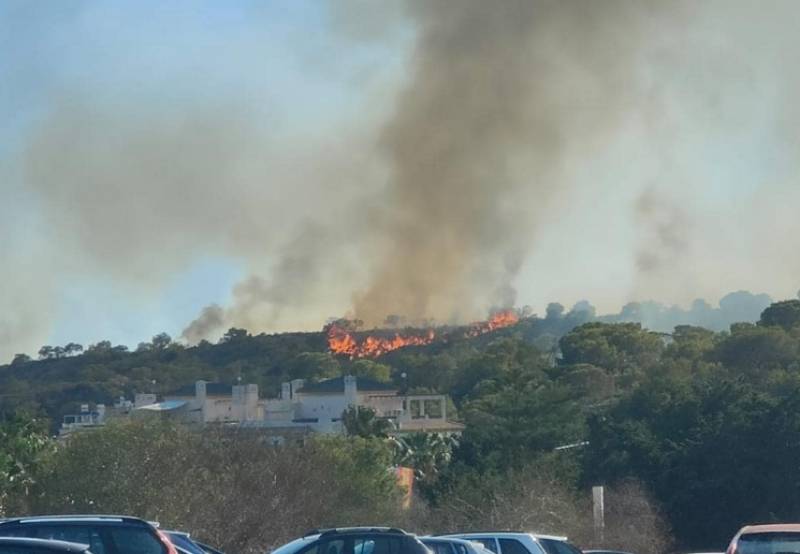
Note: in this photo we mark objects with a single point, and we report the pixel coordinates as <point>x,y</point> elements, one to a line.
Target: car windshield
<point>295,545</point>
<point>183,541</point>
<point>553,546</point>
<point>102,539</point>
<point>438,547</point>
<point>769,543</point>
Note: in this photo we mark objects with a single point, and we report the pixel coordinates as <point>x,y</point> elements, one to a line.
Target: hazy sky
<point>156,158</point>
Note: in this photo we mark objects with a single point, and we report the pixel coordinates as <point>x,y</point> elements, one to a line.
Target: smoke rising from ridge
<point>480,127</point>
<point>498,153</point>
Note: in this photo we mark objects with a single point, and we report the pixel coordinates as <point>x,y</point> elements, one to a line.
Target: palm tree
<point>361,421</point>
<point>426,453</point>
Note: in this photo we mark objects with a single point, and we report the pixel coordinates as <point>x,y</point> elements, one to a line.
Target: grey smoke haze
<point>740,306</point>
<point>485,116</point>
<point>473,147</point>
<point>208,324</point>
<point>258,301</point>
<point>515,151</point>
<point>735,307</point>
<point>666,231</point>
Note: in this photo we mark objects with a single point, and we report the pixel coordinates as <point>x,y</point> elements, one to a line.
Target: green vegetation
<point>228,487</point>
<point>24,450</point>
<point>706,422</point>
<point>360,421</point>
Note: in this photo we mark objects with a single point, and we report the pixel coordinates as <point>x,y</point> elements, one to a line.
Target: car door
<point>513,546</point>
<point>378,544</point>
<point>333,546</point>
<point>488,542</point>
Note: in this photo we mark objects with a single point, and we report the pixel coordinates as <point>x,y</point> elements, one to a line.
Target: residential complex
<point>301,408</point>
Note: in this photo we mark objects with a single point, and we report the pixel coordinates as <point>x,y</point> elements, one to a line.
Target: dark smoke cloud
<point>427,210</point>
<point>476,140</point>
<point>209,323</point>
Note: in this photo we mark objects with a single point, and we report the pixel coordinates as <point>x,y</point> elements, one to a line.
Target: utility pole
<point>598,505</point>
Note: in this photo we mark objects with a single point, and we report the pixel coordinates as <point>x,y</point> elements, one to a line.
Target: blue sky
<point>285,61</point>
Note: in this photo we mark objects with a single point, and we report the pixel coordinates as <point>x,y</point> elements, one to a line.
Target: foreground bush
<point>230,488</point>
<point>234,489</point>
<point>535,498</point>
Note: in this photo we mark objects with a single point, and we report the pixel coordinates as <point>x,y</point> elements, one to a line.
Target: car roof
<point>49,544</point>
<point>446,539</point>
<point>316,534</point>
<point>549,537</point>
<point>604,551</point>
<point>771,528</point>
<point>506,534</point>
<point>349,530</point>
<point>76,519</point>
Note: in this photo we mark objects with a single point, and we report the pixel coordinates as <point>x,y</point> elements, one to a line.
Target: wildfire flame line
<point>342,341</point>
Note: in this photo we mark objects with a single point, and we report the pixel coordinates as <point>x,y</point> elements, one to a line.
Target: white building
<point>319,406</point>
<point>92,418</point>
<point>206,402</point>
<point>303,407</point>
<point>85,420</point>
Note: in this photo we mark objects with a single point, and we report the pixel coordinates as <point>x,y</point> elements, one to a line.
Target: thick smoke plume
<point>524,150</point>
<point>478,132</point>
<point>208,323</point>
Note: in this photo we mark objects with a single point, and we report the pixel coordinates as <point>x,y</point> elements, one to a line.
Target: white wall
<point>323,406</point>
<point>384,405</point>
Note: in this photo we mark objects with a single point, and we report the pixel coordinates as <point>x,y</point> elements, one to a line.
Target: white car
<point>520,543</point>
<point>450,545</point>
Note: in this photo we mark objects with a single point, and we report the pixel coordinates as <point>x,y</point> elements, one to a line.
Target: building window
<point>433,409</point>
<point>416,409</point>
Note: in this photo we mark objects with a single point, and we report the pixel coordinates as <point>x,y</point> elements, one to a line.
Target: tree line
<point>703,425</point>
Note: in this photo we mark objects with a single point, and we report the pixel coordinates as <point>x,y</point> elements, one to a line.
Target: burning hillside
<point>345,340</point>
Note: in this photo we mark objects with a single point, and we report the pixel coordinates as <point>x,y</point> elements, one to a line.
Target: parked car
<point>183,543</point>
<point>767,539</point>
<point>355,540</point>
<point>19,545</point>
<point>617,552</point>
<point>520,543</point>
<point>102,534</point>
<point>444,545</point>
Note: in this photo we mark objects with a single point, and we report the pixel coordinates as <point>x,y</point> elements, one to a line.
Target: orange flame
<point>340,341</point>
<point>343,342</point>
<point>504,318</point>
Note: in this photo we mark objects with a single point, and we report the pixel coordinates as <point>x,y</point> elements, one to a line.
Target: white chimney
<point>297,384</point>
<point>237,395</point>
<point>350,390</point>
<point>251,403</point>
